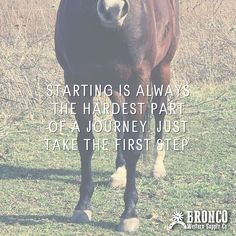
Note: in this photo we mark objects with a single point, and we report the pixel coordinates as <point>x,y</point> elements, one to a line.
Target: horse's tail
<point>147,130</point>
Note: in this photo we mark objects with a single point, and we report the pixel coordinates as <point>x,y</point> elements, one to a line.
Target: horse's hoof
<point>128,225</point>
<point>159,172</point>
<point>82,217</point>
<point>118,179</point>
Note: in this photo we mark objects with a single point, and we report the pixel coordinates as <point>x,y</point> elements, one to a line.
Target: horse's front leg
<point>129,221</point>
<point>82,212</point>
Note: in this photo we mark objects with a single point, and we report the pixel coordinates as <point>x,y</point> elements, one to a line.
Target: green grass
<point>39,188</point>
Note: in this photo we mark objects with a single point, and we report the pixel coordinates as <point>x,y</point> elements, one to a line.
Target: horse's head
<point>112,13</point>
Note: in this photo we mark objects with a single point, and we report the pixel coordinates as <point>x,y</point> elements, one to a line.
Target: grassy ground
<point>39,188</point>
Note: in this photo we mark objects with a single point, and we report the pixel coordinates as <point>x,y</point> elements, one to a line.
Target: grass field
<point>39,188</point>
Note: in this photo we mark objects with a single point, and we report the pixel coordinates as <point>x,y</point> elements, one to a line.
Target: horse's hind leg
<point>82,213</point>
<point>118,179</point>
<point>160,79</point>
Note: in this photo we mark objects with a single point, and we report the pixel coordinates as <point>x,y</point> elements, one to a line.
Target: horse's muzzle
<point>112,13</point>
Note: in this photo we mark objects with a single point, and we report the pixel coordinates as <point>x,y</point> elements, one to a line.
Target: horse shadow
<point>28,220</point>
<point>32,220</point>
<point>8,172</point>
<point>68,176</point>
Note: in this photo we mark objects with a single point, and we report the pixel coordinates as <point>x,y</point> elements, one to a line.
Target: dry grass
<point>208,42</point>
<point>206,52</point>
<point>27,52</point>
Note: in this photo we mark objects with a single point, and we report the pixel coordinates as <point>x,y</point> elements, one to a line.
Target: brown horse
<point>117,42</point>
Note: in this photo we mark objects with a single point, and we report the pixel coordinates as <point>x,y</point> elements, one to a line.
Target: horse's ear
<point>173,3</point>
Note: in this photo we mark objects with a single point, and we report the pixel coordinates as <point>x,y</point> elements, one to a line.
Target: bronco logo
<point>195,220</point>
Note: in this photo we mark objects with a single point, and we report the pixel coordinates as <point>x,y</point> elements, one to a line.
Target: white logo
<point>197,220</point>
<point>177,219</point>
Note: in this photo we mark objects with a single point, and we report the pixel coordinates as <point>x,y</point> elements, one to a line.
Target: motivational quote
<point>172,124</point>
